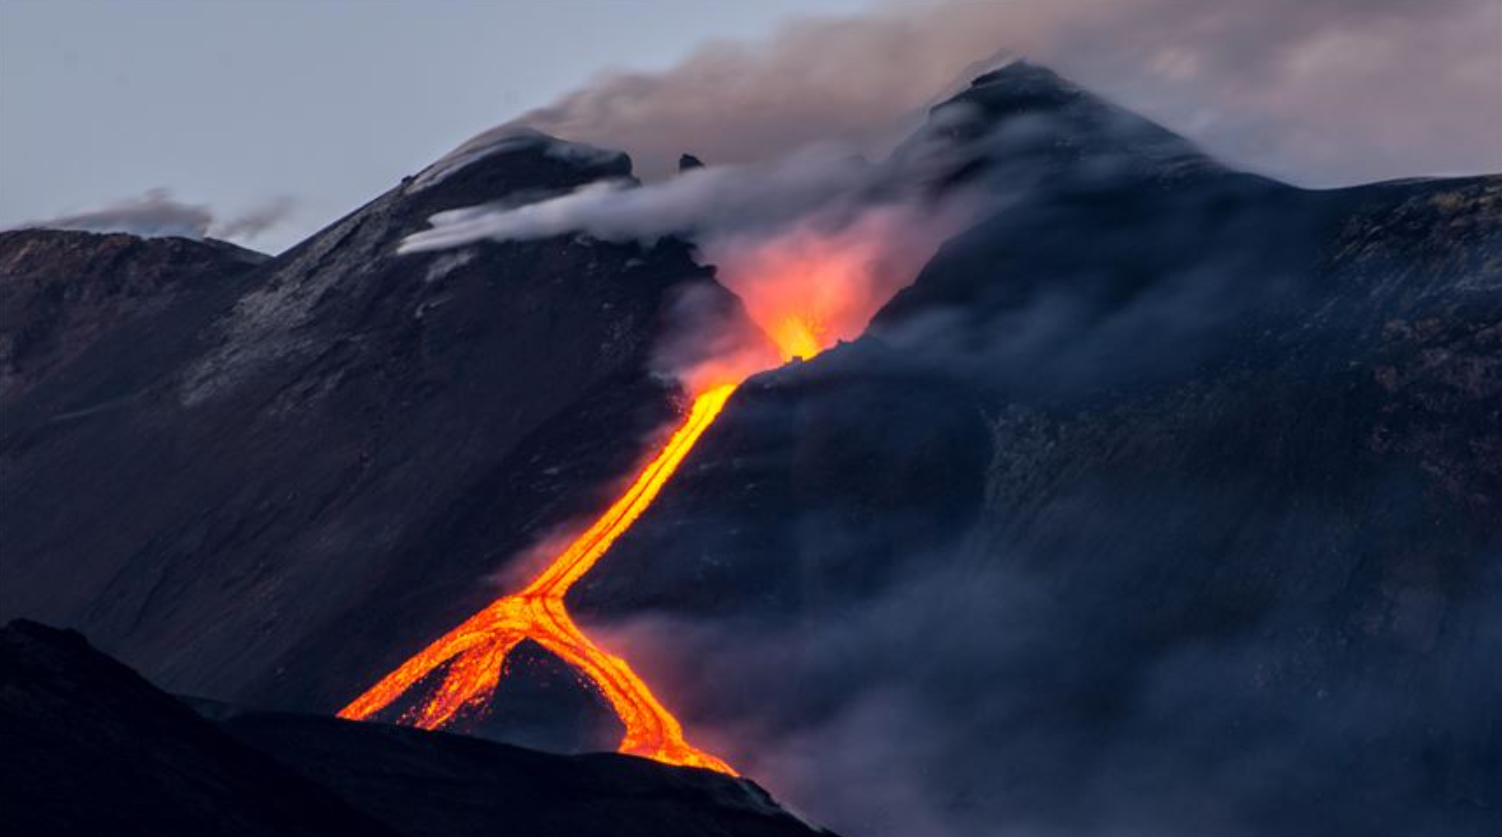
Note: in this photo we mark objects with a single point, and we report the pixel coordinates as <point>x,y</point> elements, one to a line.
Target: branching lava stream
<point>476,650</point>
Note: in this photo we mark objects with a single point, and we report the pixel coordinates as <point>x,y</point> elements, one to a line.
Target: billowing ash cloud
<point>157,214</point>
<point>1319,91</point>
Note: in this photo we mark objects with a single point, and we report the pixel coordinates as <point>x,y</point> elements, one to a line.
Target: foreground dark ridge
<point>91,748</point>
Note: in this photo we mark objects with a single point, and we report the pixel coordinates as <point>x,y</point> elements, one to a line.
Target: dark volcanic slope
<point>1166,500</point>
<point>61,292</point>
<point>91,748</point>
<point>280,489</point>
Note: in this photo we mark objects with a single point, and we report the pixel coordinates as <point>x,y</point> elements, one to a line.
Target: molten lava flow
<point>804,289</point>
<point>475,652</point>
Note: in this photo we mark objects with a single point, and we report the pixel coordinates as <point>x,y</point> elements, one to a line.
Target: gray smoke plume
<point>256,220</point>
<point>153,214</point>
<point>1317,91</point>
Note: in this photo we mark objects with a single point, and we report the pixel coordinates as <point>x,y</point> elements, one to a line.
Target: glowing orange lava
<point>475,652</point>
<point>796,337</point>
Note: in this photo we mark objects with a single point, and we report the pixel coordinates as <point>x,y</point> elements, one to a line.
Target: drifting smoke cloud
<point>154,214</point>
<point>972,698</point>
<point>1319,91</point>
<point>257,220</point>
<point>157,214</point>
<point>701,201</point>
<point>812,242</point>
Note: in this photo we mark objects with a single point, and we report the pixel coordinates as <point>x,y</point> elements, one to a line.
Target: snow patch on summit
<point>502,140</point>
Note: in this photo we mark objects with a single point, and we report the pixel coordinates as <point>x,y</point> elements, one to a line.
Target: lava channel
<point>475,652</point>
<point>813,287</point>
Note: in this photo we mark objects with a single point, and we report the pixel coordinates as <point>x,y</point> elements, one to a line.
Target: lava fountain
<point>805,288</point>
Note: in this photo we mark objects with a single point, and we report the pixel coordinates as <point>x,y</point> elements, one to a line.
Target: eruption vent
<point>819,280</point>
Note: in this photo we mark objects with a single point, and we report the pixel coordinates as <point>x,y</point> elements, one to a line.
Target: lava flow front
<point>476,650</point>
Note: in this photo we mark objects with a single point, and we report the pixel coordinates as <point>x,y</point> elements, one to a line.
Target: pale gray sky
<point>233,103</point>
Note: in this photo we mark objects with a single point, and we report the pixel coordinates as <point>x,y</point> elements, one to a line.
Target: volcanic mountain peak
<point>1026,120</point>
<point>271,322</point>
<point>1020,77</point>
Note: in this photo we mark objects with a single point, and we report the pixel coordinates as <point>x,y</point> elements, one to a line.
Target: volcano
<point>1164,498</point>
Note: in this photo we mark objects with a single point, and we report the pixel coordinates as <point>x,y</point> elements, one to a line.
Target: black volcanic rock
<point>91,748</point>
<point>687,162</point>
<point>62,291</point>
